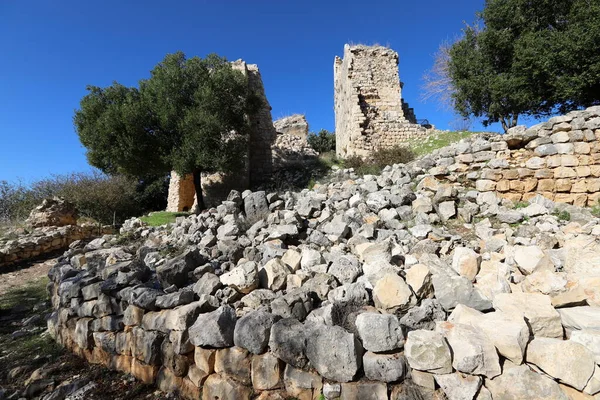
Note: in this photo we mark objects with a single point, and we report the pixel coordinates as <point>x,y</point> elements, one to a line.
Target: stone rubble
<point>355,289</point>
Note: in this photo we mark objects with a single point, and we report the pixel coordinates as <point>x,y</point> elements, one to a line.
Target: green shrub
<point>379,160</point>
<point>323,141</point>
<point>96,196</point>
<point>392,155</point>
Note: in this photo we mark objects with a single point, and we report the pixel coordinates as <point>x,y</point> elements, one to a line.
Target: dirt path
<point>19,275</point>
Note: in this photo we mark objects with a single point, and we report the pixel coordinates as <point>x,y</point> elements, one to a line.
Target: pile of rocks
<point>383,287</point>
<point>53,212</point>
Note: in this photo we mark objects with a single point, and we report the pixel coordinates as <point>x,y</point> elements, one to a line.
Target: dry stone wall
<point>559,159</point>
<point>369,111</point>
<point>42,241</point>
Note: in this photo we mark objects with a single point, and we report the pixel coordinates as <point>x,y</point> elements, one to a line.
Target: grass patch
<point>521,204</point>
<point>25,296</point>
<point>437,140</point>
<point>562,215</point>
<point>162,217</point>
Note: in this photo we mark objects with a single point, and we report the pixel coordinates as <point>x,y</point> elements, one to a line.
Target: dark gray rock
<point>256,206</point>
<point>385,367</point>
<point>175,271</point>
<point>424,316</point>
<point>173,300</point>
<point>208,284</point>
<point>214,329</point>
<point>288,342</point>
<point>253,330</point>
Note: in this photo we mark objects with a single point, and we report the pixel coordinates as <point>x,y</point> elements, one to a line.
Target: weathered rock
<point>175,271</point>
<point>565,360</point>
<point>53,212</point>
<point>273,275</point>
<point>345,268</point>
<point>379,332</point>
<point>452,290</point>
<point>173,300</point>
<point>537,310</point>
<point>384,367</point>
<point>256,206</point>
<point>335,353</point>
<point>590,339</point>
<point>472,351</point>
<point>583,317</point>
<point>466,262</point>
<point>459,386</point>
<point>146,346</point>
<point>288,342</point>
<point>234,362</point>
<point>208,284</point>
<point>428,351</point>
<point>243,278</point>
<point>221,387</point>
<point>302,383</point>
<point>424,316</point>
<point>522,383</point>
<point>267,372</point>
<point>214,329</point>
<point>253,330</point>
<point>391,293</point>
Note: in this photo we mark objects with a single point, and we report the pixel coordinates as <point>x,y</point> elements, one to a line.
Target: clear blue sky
<point>50,50</point>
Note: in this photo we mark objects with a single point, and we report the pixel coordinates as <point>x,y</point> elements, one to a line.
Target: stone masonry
<point>369,111</point>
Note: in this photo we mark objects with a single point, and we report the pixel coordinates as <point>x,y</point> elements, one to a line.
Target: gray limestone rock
<point>385,367</point>
<point>287,342</point>
<point>428,351</point>
<point>379,332</point>
<point>214,329</point>
<point>335,353</point>
<point>256,206</point>
<point>175,271</point>
<point>173,300</point>
<point>253,330</point>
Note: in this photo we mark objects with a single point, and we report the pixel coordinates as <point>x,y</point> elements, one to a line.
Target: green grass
<point>162,217</point>
<point>28,295</point>
<point>437,140</point>
<point>562,215</point>
<point>521,204</point>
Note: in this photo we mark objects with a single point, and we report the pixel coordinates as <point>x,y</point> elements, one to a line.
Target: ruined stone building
<point>259,161</point>
<point>369,110</point>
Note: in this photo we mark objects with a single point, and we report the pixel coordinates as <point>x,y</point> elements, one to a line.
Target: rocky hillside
<point>399,286</point>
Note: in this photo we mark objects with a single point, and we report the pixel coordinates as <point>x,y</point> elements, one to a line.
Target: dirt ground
<point>32,365</point>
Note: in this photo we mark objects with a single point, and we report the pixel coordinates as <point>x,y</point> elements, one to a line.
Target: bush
<point>323,141</point>
<point>97,196</point>
<point>380,158</point>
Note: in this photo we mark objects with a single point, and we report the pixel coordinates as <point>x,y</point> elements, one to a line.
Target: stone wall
<point>259,163</point>
<point>369,111</point>
<point>559,159</point>
<point>292,125</point>
<point>43,241</point>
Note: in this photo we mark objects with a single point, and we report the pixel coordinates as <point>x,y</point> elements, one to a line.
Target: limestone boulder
<point>287,342</point>
<point>379,332</point>
<point>466,262</point>
<point>428,351</point>
<point>569,362</point>
<point>253,330</point>
<point>335,353</point>
<point>589,338</point>
<point>214,329</point>
<point>391,293</point>
<point>473,352</point>
<point>522,383</point>
<point>243,278</point>
<point>458,386</point>
<point>384,367</point>
<point>537,309</point>
<point>583,317</point>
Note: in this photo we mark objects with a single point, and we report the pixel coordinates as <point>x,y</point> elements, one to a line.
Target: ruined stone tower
<point>369,110</point>
<point>259,159</point>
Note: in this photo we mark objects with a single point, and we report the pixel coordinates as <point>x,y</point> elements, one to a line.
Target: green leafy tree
<point>323,142</point>
<point>527,58</point>
<point>191,116</point>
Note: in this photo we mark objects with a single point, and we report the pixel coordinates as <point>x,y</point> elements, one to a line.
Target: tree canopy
<point>526,57</point>
<point>190,116</point>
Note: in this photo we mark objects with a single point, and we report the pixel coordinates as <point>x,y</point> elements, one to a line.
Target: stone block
<point>564,172</point>
<point>544,173</point>
<point>564,148</point>
<point>530,184</point>
<point>581,148</point>
<point>503,186</point>
<point>267,372</point>
<point>564,198</point>
<point>580,200</point>
<point>545,185</point>
<point>144,372</point>
<point>302,384</point>
<point>569,160</point>
<point>223,387</point>
<point>484,185</point>
<point>583,171</point>
<point>510,174</point>
<point>517,186</point>
<point>553,161</point>
<point>364,390</point>
<point>563,185</point>
<point>234,362</point>
<point>525,172</point>
<point>205,359</point>
<point>579,186</point>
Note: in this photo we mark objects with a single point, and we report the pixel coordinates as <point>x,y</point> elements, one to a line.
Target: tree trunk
<point>504,124</point>
<point>198,187</point>
<point>514,121</point>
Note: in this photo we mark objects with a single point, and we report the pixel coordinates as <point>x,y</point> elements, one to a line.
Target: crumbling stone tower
<point>369,110</point>
<point>259,158</point>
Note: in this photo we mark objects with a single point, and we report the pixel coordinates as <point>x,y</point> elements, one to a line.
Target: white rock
<point>274,275</point>
<point>537,310</point>
<point>569,362</point>
<point>428,351</point>
<point>466,262</point>
<point>528,258</point>
<point>583,317</point>
<point>473,352</point>
<point>590,338</point>
<point>391,294</point>
<point>524,384</point>
<point>459,386</point>
<point>418,278</point>
<point>379,332</point>
<point>243,278</point>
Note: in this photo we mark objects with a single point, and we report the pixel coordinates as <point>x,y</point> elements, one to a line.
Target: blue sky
<point>50,50</point>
